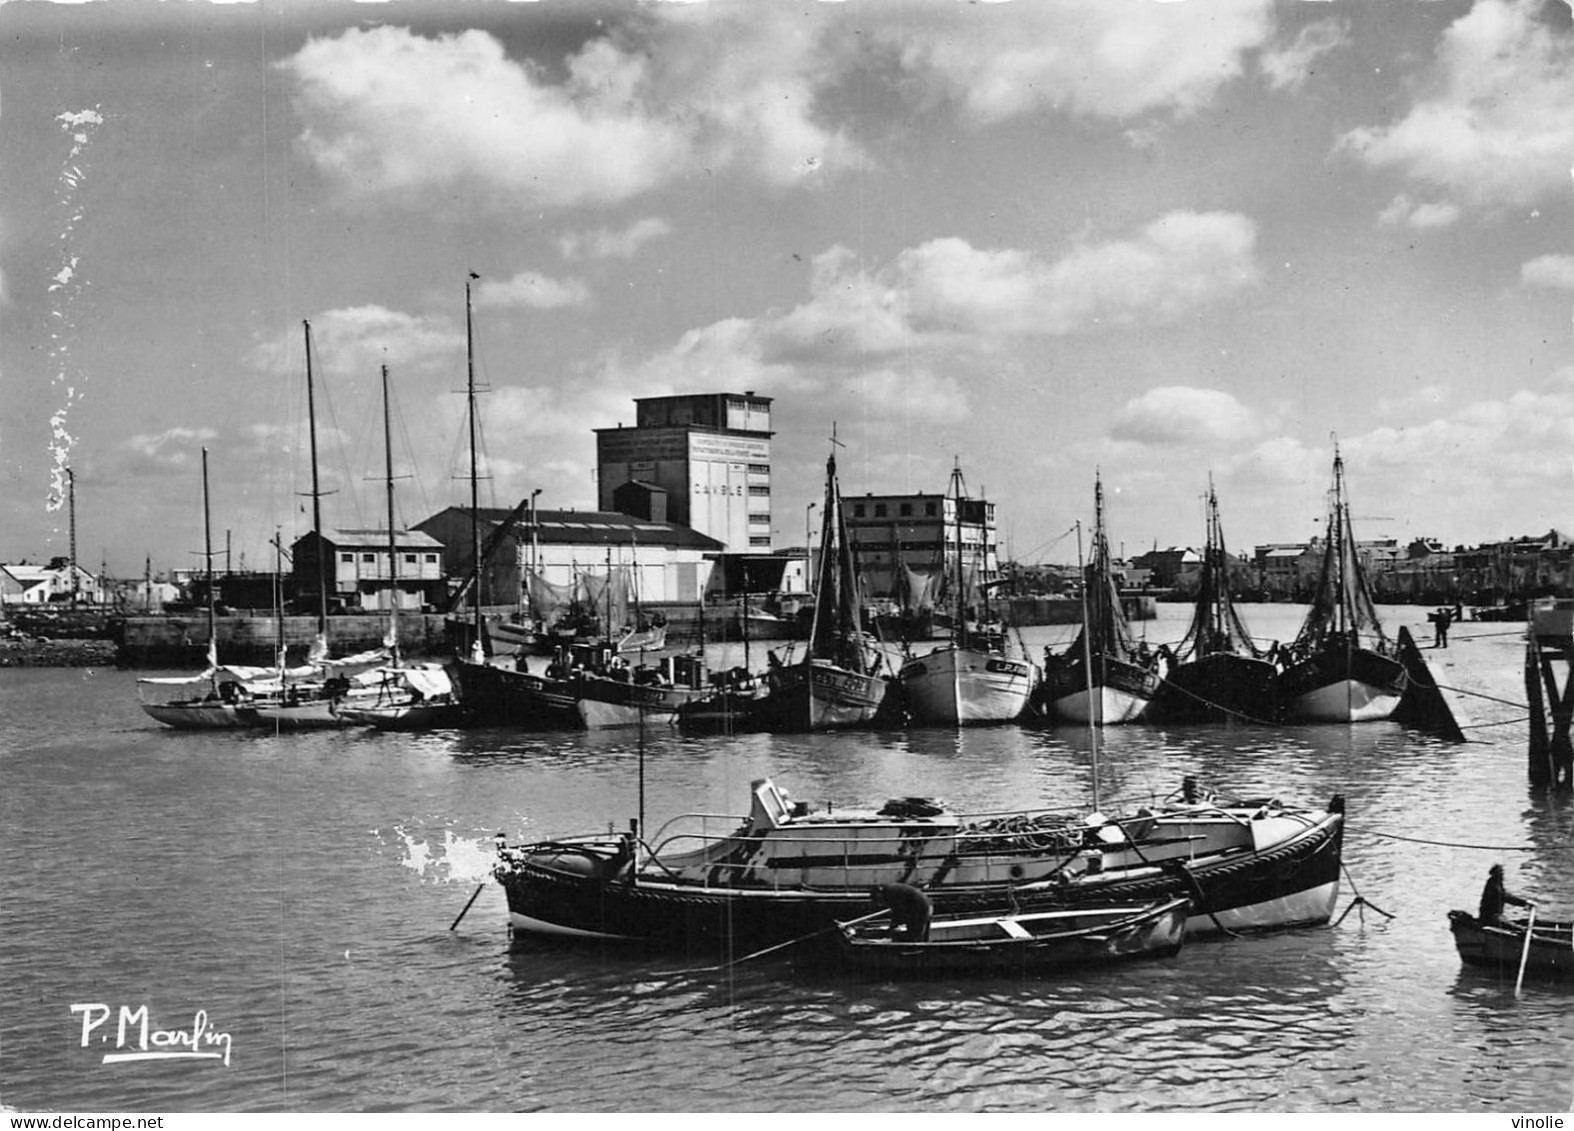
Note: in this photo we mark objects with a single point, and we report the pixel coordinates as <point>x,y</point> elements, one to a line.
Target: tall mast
<point>311,418</point>
<point>959,629</point>
<point>393,545</point>
<point>1095,713</point>
<point>207,546</point>
<point>1339,524</point>
<point>475,494</point>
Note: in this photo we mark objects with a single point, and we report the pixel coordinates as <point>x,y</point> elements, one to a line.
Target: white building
<point>39,585</point>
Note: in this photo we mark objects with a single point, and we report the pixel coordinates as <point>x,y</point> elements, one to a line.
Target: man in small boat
<point>1494,897</point>
<point>911,910</point>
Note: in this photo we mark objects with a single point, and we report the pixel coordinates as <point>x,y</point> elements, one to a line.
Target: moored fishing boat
<point>1019,942</point>
<point>837,683</point>
<point>707,881</point>
<point>1217,673</point>
<point>1502,946</point>
<point>970,678</point>
<point>1105,676</point>
<point>207,701</point>
<point>1341,667</point>
<point>413,697</point>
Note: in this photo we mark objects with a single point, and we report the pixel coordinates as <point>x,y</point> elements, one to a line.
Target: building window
<point>760,491</point>
<point>368,558</point>
<point>929,510</point>
<point>757,541</point>
<point>879,510</point>
<point>347,558</point>
<point>409,559</point>
<point>858,510</point>
<point>431,559</point>
<point>907,510</point>
<point>759,469</point>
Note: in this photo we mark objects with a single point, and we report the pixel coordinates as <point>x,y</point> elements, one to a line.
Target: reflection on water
<point>300,889</point>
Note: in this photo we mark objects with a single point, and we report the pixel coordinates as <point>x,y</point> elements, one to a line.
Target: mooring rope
<point>1443,843</point>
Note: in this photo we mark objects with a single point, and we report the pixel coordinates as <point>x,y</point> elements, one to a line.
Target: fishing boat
<point>1502,947</point>
<point>1341,667</point>
<point>837,684</point>
<point>311,703</point>
<point>709,882</point>
<point>971,678</point>
<point>397,696</point>
<point>407,697</point>
<point>1106,676</point>
<point>207,701</point>
<point>1018,943</point>
<point>608,692</point>
<point>1217,672</point>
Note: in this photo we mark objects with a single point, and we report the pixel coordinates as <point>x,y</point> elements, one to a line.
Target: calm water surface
<point>299,890</point>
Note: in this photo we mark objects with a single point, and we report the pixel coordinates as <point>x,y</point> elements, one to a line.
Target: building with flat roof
<point>923,533</point>
<point>705,456</point>
<point>359,574</point>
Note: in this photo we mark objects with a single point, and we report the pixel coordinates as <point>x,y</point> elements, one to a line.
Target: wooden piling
<point>1549,691</point>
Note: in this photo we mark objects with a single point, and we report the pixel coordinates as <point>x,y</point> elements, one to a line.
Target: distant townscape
<point>685,511</point>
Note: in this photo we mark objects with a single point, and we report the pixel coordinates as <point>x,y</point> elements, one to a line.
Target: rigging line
<point>1445,843</point>
<point>1480,695</point>
<point>1504,723</point>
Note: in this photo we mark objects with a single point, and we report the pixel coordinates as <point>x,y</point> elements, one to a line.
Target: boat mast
<point>1339,546</point>
<point>311,420</point>
<point>477,649</point>
<point>1094,715</point>
<point>959,629</point>
<point>207,548</point>
<point>1214,555</point>
<point>393,545</point>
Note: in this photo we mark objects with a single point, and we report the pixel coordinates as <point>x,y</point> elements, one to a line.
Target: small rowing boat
<point>1019,943</point>
<point>1502,946</point>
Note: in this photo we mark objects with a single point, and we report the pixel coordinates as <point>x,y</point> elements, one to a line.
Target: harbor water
<point>283,904</point>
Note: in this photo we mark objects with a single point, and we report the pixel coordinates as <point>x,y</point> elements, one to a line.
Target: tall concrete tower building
<point>706,457</point>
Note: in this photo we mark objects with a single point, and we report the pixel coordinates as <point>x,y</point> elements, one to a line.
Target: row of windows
<point>905,510</point>
<point>409,559</point>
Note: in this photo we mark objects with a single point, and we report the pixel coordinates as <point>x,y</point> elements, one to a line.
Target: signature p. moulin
<point>135,1040</point>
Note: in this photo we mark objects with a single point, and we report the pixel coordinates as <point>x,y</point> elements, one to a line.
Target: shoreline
<point>45,653</point>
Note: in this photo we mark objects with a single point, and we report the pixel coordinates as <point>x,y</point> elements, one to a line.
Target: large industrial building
<point>706,456</point>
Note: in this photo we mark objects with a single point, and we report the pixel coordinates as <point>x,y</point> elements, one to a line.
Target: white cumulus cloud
<point>1555,271</point>
<point>1178,414</point>
<point>1494,129</point>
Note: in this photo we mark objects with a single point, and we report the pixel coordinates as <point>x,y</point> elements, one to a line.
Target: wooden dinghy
<point>1502,947</point>
<point>1019,943</point>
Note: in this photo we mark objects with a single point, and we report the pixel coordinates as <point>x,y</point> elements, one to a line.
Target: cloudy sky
<point>1154,241</point>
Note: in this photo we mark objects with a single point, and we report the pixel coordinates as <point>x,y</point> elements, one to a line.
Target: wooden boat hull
<point>1501,948</point>
<point>316,714</point>
<point>404,716</point>
<point>1119,691</point>
<point>1340,685</point>
<point>954,686</point>
<point>617,703</point>
<point>196,716</point>
<point>586,888</point>
<point>1020,944</point>
<point>818,695</point>
<point>496,696</point>
<point>1221,687</point>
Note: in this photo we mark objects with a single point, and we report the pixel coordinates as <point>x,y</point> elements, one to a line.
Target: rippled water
<point>300,889</point>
